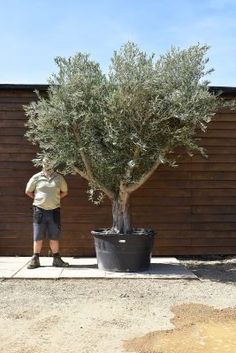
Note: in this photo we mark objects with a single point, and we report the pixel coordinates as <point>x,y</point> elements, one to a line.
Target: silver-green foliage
<point>115,129</point>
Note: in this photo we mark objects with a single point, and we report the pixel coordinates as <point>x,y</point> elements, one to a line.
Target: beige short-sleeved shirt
<point>47,190</point>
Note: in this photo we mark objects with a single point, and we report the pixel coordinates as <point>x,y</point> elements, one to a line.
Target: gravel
<point>98,316</point>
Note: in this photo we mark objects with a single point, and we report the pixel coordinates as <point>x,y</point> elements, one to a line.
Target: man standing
<point>46,188</point>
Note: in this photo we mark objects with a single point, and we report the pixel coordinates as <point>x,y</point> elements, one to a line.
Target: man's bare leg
<point>37,246</point>
<point>54,246</point>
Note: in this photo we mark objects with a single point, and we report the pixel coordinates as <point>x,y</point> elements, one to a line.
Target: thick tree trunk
<point>122,214</point>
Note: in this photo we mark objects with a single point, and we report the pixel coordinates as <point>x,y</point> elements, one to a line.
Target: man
<point>46,188</point>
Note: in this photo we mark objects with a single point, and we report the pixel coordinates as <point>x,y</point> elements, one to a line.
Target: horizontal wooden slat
<point>12,115</point>
<point>222,124</point>
<point>216,209</point>
<point>219,133</point>
<point>209,235</point>
<point>18,157</point>
<point>12,131</point>
<point>194,184</point>
<point>19,140</point>
<point>195,242</point>
<point>10,99</point>
<point>206,141</point>
<point>214,158</point>
<point>12,106</point>
<point>14,148</point>
<point>12,123</point>
<point>209,167</point>
<point>19,173</point>
<point>199,250</point>
<point>229,116</point>
<point>213,176</point>
<point>213,192</point>
<point>219,151</point>
<point>177,175</point>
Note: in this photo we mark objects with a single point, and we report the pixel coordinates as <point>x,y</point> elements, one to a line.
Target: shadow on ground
<point>83,266</point>
<point>213,268</point>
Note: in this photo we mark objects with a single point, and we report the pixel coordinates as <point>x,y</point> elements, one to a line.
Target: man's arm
<point>64,188</point>
<point>63,194</point>
<point>30,194</point>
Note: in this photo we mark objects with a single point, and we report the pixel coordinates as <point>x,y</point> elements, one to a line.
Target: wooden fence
<point>192,207</point>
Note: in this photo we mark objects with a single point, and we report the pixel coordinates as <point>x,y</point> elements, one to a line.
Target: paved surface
<point>162,268</point>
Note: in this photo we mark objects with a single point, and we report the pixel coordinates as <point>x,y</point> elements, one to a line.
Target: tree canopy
<point>115,129</point>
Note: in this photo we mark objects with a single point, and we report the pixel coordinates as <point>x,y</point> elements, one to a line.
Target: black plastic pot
<point>123,253</point>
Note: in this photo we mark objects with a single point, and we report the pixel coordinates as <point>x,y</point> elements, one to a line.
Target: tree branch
<point>89,175</point>
<point>82,174</point>
<point>84,158</point>
<point>145,177</point>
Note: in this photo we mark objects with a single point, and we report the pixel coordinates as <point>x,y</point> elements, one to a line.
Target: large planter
<point>123,253</point>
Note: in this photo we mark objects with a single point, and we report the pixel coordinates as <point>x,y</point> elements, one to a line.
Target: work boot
<point>58,262</point>
<point>34,263</point>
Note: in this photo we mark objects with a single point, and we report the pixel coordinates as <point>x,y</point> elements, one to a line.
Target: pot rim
<point>136,232</point>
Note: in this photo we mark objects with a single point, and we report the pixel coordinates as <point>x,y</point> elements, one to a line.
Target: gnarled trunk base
<point>121,215</point>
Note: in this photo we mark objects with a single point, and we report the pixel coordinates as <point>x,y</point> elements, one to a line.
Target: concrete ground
<point>161,268</point>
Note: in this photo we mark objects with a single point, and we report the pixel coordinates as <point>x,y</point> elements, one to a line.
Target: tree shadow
<point>216,269</point>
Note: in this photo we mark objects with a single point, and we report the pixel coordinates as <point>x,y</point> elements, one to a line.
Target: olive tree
<point>115,129</point>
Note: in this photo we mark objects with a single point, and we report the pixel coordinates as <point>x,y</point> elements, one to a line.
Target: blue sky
<point>34,32</point>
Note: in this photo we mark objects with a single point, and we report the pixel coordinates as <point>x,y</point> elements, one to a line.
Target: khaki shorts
<point>46,223</point>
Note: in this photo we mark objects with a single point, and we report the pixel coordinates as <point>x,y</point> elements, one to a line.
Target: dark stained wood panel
<point>192,208</point>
